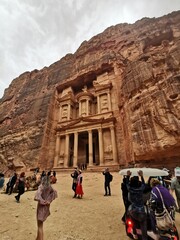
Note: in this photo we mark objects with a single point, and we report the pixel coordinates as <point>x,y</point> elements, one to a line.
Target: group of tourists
<point>15,184</point>
<point>44,196</point>
<point>137,195</point>
<point>78,179</point>
<point>77,183</point>
<point>19,183</point>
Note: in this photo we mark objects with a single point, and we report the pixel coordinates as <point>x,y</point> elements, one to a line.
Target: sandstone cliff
<point>145,57</point>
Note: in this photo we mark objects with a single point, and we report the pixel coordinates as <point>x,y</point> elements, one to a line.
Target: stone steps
<point>114,168</point>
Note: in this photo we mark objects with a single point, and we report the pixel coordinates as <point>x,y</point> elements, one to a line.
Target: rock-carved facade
<point>114,102</point>
<point>85,132</point>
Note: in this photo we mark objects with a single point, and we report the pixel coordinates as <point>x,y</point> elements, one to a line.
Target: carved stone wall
<point>142,60</point>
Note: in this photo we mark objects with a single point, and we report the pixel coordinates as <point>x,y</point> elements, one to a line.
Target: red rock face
<point>144,58</point>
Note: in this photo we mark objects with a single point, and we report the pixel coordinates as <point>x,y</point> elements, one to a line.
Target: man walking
<point>11,183</point>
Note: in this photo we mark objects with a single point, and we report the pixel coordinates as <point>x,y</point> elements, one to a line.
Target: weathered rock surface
<point>145,57</point>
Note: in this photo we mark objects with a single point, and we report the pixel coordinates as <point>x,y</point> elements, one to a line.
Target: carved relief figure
<point>109,149</point>
<point>84,88</point>
<point>64,112</point>
<point>104,103</point>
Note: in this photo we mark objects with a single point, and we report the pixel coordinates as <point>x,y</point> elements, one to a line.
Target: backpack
<point>110,177</point>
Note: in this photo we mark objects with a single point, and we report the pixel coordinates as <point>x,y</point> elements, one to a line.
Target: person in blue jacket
<point>135,195</point>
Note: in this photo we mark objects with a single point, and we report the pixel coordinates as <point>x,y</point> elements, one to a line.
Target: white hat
<point>165,169</point>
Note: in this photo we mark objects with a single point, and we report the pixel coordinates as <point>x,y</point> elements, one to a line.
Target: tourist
<point>49,173</point>
<point>43,174</point>
<point>74,175</point>
<point>1,180</point>
<point>54,173</point>
<point>175,187</point>
<point>20,186</point>
<point>108,179</point>
<point>36,171</point>
<point>156,202</point>
<point>44,195</point>
<point>136,209</point>
<point>125,198</point>
<point>79,189</point>
<point>11,183</point>
<point>147,191</point>
<point>53,178</point>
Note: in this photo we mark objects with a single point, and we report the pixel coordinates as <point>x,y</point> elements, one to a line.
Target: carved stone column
<point>80,110</point>
<point>87,107</point>
<point>109,102</point>
<point>60,112</point>
<point>101,150</point>
<point>98,104</point>
<point>90,148</point>
<point>56,159</point>
<point>114,147</point>
<point>69,112</point>
<point>75,157</point>
<point>66,159</point>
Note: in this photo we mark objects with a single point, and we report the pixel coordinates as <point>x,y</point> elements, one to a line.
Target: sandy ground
<point>94,217</point>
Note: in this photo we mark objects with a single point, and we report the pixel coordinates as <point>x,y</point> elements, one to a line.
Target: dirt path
<point>94,217</point>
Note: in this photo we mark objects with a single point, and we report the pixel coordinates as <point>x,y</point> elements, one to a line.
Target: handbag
<point>164,220</point>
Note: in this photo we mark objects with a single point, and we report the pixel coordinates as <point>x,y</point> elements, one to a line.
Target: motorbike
<point>132,227</point>
<point>133,231</point>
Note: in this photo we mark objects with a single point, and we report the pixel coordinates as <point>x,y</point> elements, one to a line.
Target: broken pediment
<point>79,122</point>
<point>83,121</point>
<point>67,92</point>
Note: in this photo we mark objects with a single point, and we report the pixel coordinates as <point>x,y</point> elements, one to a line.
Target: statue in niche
<point>61,159</point>
<point>64,111</point>
<point>109,148</point>
<point>84,89</point>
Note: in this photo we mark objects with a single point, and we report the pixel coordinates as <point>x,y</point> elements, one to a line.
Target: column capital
<point>111,127</point>
<point>99,129</point>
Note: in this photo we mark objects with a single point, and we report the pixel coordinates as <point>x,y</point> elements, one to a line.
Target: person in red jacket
<point>79,189</point>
